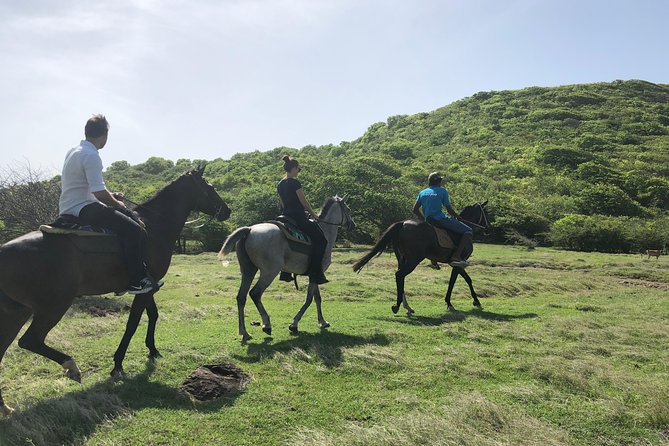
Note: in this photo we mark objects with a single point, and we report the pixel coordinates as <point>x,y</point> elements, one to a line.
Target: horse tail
<point>383,243</point>
<point>231,241</point>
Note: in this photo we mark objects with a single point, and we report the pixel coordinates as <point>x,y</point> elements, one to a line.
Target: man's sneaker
<point>143,286</point>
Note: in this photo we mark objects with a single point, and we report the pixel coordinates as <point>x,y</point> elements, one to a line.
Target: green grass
<point>571,348</point>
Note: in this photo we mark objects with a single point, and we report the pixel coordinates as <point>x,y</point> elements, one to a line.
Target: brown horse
<point>414,241</point>
<point>41,274</point>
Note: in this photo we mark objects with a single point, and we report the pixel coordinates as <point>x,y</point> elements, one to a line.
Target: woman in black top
<point>294,204</point>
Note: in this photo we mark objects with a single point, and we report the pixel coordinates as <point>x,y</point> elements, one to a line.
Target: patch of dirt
<point>102,312</point>
<point>210,382</point>
<point>646,284</point>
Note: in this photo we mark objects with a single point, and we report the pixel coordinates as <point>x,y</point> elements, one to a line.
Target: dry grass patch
<point>471,421</point>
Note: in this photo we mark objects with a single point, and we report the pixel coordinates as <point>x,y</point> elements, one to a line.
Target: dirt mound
<point>209,382</point>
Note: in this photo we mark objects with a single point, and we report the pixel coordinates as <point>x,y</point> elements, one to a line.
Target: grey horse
<point>264,247</point>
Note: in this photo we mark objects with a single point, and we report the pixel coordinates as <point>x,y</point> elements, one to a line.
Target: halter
<point>482,216</point>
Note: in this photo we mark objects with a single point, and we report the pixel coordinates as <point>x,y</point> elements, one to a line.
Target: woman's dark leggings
<point>318,243</point>
<point>130,234</point>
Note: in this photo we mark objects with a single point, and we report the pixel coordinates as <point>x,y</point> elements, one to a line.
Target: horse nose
<point>224,214</point>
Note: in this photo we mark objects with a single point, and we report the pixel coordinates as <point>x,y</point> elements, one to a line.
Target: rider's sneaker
<point>143,286</point>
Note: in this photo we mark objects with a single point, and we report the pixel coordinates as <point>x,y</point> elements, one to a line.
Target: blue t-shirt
<point>433,199</point>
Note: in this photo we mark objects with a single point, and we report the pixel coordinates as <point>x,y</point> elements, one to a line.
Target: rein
<point>158,214</point>
<point>343,221</point>
<point>482,216</point>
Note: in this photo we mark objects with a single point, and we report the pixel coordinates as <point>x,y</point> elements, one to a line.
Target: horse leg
<point>247,278</point>
<point>296,320</point>
<point>33,339</point>
<point>451,282</point>
<point>152,313</point>
<point>322,323</point>
<point>468,279</point>
<point>266,278</point>
<point>12,318</point>
<point>405,269</point>
<point>136,310</point>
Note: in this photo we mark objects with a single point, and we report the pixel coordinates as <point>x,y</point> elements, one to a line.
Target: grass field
<point>570,348</point>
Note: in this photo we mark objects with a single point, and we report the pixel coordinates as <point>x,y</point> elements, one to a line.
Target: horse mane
<point>326,206</point>
<point>166,190</point>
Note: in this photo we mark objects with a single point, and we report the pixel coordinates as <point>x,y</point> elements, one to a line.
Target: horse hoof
<point>410,311</point>
<point>478,305</point>
<point>71,370</point>
<point>154,355</point>
<point>267,329</point>
<point>451,308</point>
<point>292,328</point>
<point>395,309</point>
<point>6,410</point>
<point>117,373</point>
<point>246,337</point>
<point>324,325</point>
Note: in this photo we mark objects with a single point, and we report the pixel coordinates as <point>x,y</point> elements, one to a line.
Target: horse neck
<point>472,213</point>
<point>165,214</point>
<point>330,231</point>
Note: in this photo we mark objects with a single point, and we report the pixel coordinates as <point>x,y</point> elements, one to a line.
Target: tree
<point>606,199</point>
<point>27,200</point>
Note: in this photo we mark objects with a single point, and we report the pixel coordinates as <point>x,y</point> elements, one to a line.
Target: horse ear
<point>484,203</point>
<point>200,170</point>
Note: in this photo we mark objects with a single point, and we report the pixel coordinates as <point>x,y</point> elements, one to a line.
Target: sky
<point>205,79</point>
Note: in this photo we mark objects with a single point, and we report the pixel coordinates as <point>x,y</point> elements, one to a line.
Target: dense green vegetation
<point>570,349</point>
<point>549,160</point>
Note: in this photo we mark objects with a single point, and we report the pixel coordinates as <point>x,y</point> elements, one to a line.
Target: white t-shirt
<point>82,175</point>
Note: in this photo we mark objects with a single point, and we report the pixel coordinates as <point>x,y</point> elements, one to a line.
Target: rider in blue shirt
<point>433,199</point>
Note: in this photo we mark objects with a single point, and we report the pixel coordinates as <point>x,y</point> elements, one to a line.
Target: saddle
<point>443,237</point>
<point>297,240</point>
<point>87,238</point>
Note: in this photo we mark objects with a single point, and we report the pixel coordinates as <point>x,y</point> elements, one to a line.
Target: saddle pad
<point>292,234</point>
<point>48,229</point>
<point>295,244</point>
<point>443,238</point>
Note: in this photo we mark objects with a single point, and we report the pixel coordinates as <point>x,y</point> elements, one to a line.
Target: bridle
<point>343,218</point>
<point>482,216</point>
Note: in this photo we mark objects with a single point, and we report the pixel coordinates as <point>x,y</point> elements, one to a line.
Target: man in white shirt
<point>85,196</point>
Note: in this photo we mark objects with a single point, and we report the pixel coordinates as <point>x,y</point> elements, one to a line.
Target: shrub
<point>609,234</point>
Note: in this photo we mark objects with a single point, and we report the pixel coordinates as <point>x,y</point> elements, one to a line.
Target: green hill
<point>580,166</point>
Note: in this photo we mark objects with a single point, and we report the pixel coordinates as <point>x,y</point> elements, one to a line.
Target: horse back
<point>418,239</point>
<point>268,248</point>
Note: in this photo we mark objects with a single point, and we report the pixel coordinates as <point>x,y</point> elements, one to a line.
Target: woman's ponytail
<point>289,163</point>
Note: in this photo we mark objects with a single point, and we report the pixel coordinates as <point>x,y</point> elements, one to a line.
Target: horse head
<point>206,198</point>
<point>475,215</point>
<point>335,211</point>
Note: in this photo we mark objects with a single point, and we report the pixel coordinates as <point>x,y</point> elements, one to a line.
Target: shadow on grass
<point>100,305</point>
<point>455,316</point>
<point>327,346</point>
<point>75,416</point>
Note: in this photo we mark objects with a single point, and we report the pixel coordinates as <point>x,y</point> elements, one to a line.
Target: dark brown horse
<point>414,241</point>
<point>41,274</point>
